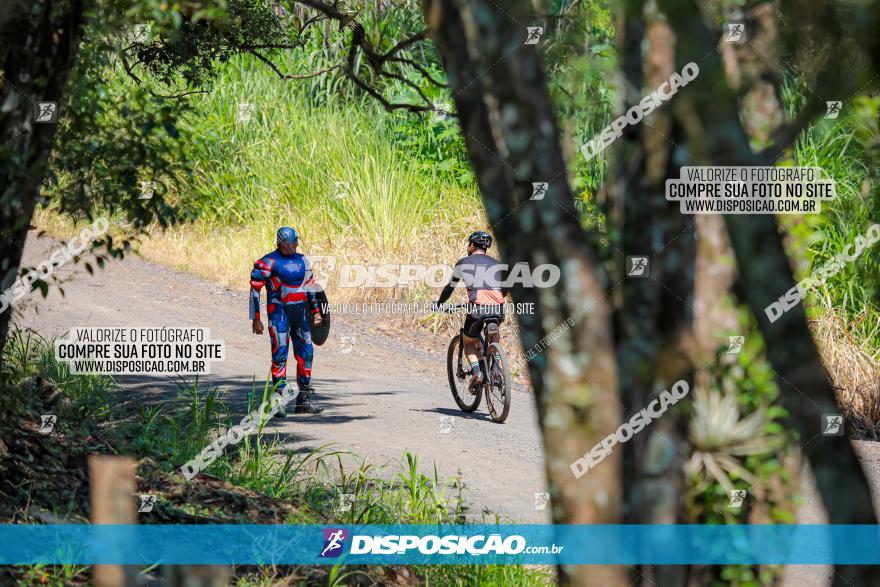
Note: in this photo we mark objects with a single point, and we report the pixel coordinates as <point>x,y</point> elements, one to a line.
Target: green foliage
<point>748,377</point>
<point>292,156</point>
<point>54,576</point>
<point>121,130</point>
<point>847,149</point>
<point>435,144</point>
<point>164,15</point>
<point>506,575</point>
<point>112,138</point>
<point>745,576</point>
<point>194,50</point>
<point>384,25</point>
<point>29,363</point>
<point>580,58</point>
<point>315,481</point>
<point>122,133</point>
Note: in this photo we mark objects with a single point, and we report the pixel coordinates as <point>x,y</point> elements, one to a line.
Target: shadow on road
<point>457,413</point>
<point>175,396</point>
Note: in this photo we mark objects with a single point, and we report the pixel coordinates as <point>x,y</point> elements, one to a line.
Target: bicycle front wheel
<point>459,370</point>
<point>498,384</point>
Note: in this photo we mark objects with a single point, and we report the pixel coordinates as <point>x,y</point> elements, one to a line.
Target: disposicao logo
<point>334,539</point>
<point>442,545</point>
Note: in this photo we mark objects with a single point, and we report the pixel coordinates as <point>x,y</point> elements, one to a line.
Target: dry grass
<point>225,255</point>
<point>854,372</point>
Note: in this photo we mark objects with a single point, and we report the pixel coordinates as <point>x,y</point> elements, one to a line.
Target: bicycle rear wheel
<point>498,384</point>
<point>459,370</point>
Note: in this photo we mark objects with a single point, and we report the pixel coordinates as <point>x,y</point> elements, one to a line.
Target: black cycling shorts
<point>478,316</point>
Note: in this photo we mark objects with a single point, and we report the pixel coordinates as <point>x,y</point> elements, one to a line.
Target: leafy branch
<point>260,27</point>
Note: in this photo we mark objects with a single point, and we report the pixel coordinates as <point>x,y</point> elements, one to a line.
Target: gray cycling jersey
<point>482,275</point>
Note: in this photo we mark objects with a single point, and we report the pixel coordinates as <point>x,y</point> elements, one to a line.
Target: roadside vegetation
<point>258,480</point>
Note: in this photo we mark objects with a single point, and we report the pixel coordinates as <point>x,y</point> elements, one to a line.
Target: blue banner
<point>440,544</point>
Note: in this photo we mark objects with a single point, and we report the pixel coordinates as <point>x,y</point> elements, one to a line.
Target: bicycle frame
<point>484,346</point>
<point>484,352</point>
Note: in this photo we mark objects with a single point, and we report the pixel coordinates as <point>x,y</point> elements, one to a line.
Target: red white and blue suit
<point>290,303</point>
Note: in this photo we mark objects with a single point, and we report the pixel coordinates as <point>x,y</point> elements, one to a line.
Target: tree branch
<point>405,43</point>
<point>283,75</point>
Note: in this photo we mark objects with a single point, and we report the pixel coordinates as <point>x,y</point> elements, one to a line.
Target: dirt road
<point>381,395</point>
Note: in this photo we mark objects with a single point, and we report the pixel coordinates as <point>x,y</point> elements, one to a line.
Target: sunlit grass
<point>339,173</point>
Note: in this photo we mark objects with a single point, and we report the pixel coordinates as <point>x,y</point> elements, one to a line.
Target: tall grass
<point>845,310</point>
<point>358,183</point>
<point>845,149</point>
<point>27,354</point>
<point>291,162</point>
<point>334,171</point>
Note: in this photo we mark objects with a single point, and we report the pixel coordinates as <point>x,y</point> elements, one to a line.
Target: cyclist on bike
<point>483,276</point>
<point>292,308</point>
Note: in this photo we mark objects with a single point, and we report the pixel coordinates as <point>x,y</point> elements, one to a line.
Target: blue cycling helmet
<point>286,234</point>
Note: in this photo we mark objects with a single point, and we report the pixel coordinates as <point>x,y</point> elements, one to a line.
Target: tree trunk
<point>654,319</point>
<point>509,128</point>
<point>38,43</point>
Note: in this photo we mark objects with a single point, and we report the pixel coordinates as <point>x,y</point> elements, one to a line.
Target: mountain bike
<point>493,362</point>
